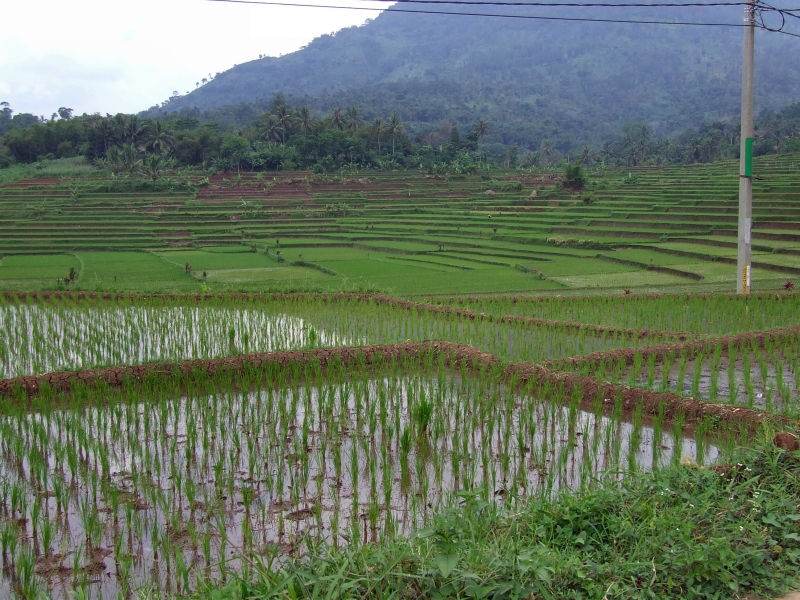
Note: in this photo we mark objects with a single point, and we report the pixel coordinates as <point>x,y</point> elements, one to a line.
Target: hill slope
<point>571,82</point>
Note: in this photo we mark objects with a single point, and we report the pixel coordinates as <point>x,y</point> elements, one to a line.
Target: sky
<point>111,56</point>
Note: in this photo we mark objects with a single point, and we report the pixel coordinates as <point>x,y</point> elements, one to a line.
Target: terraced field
<point>405,233</point>
<point>176,443</point>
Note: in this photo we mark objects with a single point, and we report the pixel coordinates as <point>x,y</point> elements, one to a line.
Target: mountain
<point>570,82</point>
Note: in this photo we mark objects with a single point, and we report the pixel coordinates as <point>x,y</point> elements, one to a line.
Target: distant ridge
<point>571,83</point>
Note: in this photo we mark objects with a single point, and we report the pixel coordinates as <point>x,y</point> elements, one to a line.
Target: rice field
<point>163,489</point>
<point>703,314</point>
<point>762,376</point>
<point>78,334</point>
<point>181,477</point>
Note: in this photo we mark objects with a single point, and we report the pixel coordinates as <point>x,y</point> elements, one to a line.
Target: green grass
<point>115,271</point>
<point>681,532</point>
<point>35,272</point>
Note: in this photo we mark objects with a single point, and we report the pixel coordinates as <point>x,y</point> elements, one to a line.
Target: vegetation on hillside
<point>570,83</point>
<point>288,137</point>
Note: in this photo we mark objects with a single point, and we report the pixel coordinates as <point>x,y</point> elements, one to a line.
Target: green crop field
<point>395,385</point>
<point>403,233</point>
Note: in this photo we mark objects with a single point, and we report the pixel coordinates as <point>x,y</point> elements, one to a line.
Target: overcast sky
<point>112,56</point>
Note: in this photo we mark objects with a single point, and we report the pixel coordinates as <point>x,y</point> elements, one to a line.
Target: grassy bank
<point>681,532</point>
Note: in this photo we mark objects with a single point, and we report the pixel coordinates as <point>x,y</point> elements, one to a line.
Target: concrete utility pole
<point>746,152</point>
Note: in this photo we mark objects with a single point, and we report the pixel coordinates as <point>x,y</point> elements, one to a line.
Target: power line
<point>762,8</point>
<point>473,14</point>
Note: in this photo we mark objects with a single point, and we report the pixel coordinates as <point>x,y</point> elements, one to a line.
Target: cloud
<point>123,56</point>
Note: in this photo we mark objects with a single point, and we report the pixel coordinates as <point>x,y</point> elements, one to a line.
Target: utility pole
<point>746,152</point>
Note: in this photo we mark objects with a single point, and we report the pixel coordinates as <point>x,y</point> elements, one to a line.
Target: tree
<point>270,130</point>
<point>353,118</point>
<point>305,122</point>
<point>376,129</point>
<point>135,130</point>
<point>482,128</point>
<point>586,155</point>
<point>573,176</point>
<point>336,119</point>
<point>547,151</point>
<point>159,139</point>
<point>104,132</point>
<point>130,161</point>
<point>394,127</point>
<point>235,149</point>
<point>153,168</point>
<point>65,113</point>
<point>283,115</point>
<point>114,160</point>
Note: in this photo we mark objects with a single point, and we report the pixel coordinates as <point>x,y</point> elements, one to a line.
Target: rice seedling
<point>157,486</point>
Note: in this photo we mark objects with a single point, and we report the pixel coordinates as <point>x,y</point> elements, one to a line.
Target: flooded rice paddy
<point>166,490</point>
<point>40,338</point>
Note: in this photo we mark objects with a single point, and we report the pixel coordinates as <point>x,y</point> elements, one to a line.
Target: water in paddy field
<point>165,492</point>
<point>38,339</point>
<point>756,378</point>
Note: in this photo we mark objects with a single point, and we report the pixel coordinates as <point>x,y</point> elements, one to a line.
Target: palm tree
<point>335,119</point>
<point>608,151</point>
<point>353,117</point>
<point>120,124</point>
<point>305,122</point>
<point>547,150</point>
<point>586,155</point>
<point>376,129</point>
<point>130,162</point>
<point>153,168</point>
<point>135,130</point>
<point>482,128</point>
<point>270,130</point>
<point>159,139</point>
<point>104,131</point>
<point>114,160</point>
<point>394,127</point>
<point>283,116</point>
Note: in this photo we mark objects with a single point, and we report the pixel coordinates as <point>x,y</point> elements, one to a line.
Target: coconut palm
<point>586,155</point>
<point>608,151</point>
<point>547,151</point>
<point>159,139</point>
<point>105,132</point>
<point>336,119</point>
<point>284,117</point>
<point>270,129</point>
<point>394,127</point>
<point>114,160</point>
<point>376,129</point>
<point>353,118</point>
<point>482,128</point>
<point>135,130</point>
<point>305,122</point>
<point>130,162</point>
<point>153,167</point>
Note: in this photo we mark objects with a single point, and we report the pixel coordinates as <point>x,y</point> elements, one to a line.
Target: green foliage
<point>570,83</point>
<point>574,177</point>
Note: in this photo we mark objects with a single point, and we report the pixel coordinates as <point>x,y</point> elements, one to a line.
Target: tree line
<point>287,138</point>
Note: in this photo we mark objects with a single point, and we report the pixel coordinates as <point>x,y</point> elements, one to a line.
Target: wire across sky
<point>761,8</point>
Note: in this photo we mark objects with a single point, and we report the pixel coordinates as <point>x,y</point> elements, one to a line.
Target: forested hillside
<point>571,83</point>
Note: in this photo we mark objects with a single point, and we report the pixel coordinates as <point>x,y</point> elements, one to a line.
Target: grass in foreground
<point>682,532</point>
